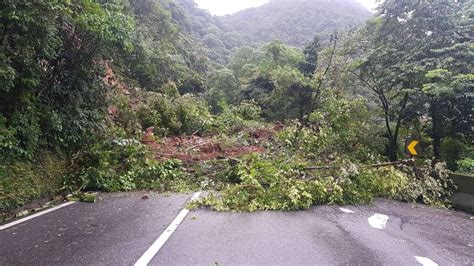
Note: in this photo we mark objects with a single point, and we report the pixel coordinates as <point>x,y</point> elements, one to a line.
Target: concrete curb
<point>463,202</point>
<point>463,199</point>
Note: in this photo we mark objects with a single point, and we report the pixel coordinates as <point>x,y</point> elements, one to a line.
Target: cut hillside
<point>295,21</point>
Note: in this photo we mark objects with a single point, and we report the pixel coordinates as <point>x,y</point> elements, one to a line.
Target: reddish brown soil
<point>196,149</point>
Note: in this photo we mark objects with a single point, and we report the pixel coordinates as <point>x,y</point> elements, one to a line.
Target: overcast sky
<point>224,7</point>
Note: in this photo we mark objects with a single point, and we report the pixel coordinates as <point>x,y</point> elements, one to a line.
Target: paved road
<point>119,229</point>
<point>115,231</point>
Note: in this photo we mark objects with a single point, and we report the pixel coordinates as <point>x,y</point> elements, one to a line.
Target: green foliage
<point>120,165</point>
<point>83,79</point>
<point>54,98</point>
<point>303,139</point>
<point>466,166</point>
<point>277,54</point>
<point>185,114</point>
<point>453,149</point>
<point>248,110</point>
<point>223,86</point>
<point>234,118</point>
<point>8,142</point>
<point>431,69</point>
<point>51,52</point>
<point>294,22</point>
<point>126,117</point>
<point>260,183</point>
<point>339,126</point>
<point>311,57</point>
<point>218,43</point>
<point>244,61</point>
<point>347,124</point>
<point>170,90</point>
<point>158,110</point>
<point>193,114</point>
<point>292,94</point>
<point>432,186</point>
<point>166,52</point>
<point>32,33</point>
<point>21,182</point>
<point>362,185</point>
<point>272,77</point>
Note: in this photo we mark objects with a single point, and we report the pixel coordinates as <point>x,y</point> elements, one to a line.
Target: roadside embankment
<point>463,199</point>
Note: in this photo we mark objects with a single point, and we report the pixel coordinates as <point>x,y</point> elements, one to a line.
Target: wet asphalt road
<point>121,227</point>
<point>115,231</point>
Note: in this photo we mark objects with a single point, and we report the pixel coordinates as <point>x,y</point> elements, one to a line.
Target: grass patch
<point>22,182</point>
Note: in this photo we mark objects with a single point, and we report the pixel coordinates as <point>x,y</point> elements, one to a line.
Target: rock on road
<point>120,228</point>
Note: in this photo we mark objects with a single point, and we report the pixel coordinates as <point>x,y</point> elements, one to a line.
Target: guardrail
<point>463,199</point>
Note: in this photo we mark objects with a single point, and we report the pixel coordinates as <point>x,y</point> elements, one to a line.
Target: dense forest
<point>295,21</point>
<point>105,95</point>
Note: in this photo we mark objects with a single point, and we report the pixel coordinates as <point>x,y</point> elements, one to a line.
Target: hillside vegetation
<point>154,94</point>
<point>295,21</point>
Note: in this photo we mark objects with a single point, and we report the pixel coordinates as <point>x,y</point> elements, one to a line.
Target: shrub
<point>340,126</point>
<point>235,118</point>
<point>259,183</point>
<point>362,186</point>
<point>346,125</point>
<point>21,182</point>
<point>304,140</point>
<point>126,117</point>
<point>262,184</point>
<point>451,151</point>
<point>159,111</point>
<point>186,114</point>
<point>248,110</point>
<point>466,166</point>
<point>193,114</point>
<point>9,144</point>
<point>150,117</point>
<point>431,186</point>
<point>119,165</point>
<point>20,135</point>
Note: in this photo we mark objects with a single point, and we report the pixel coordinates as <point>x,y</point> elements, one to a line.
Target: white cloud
<point>370,4</point>
<point>224,7</point>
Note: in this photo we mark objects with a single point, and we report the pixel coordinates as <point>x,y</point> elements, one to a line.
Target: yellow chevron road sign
<point>411,147</point>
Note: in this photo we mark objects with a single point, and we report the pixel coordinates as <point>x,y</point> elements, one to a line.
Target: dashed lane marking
<point>159,243</point>
<point>346,210</point>
<point>425,261</point>
<point>3,227</point>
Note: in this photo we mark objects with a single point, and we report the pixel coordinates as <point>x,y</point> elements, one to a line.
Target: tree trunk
<point>436,130</point>
<point>392,150</point>
<point>392,145</point>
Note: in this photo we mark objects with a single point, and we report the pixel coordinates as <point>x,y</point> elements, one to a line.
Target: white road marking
<point>159,243</point>
<point>35,215</point>
<point>346,210</point>
<point>378,221</point>
<point>426,261</point>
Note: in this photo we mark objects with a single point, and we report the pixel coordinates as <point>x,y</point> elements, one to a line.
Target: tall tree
<point>50,65</point>
<point>311,57</point>
<point>405,42</point>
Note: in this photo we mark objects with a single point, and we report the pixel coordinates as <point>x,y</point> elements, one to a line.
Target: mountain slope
<point>295,21</point>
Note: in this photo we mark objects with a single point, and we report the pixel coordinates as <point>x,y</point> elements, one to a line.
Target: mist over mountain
<point>295,21</point>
